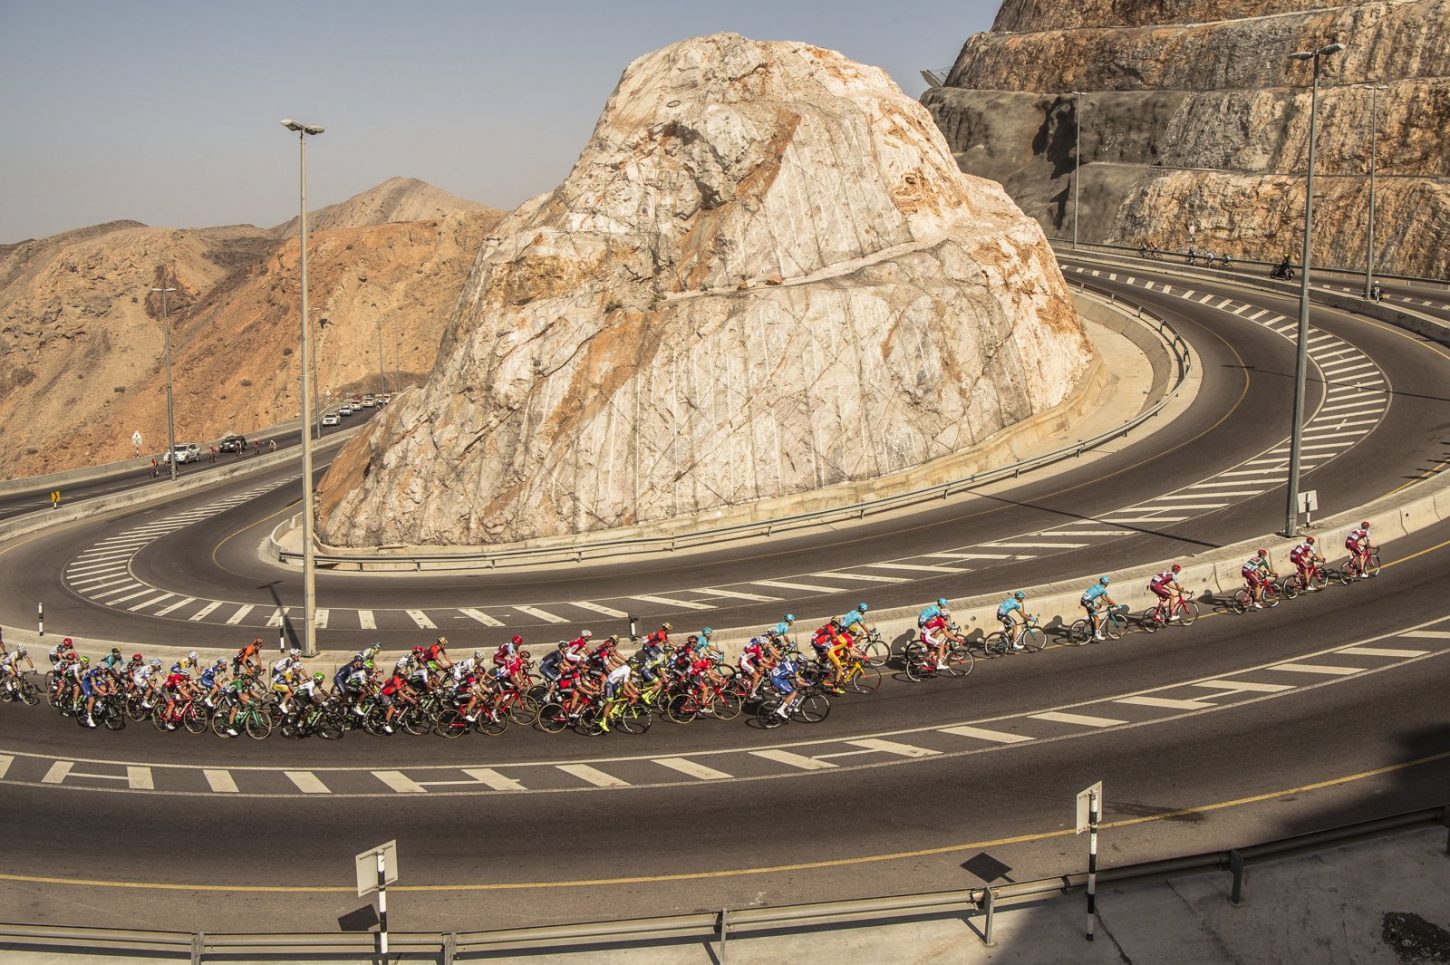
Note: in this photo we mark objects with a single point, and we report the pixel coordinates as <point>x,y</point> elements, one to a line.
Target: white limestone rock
<point>764,275</point>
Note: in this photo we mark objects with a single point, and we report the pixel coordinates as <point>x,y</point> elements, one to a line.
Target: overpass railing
<point>713,926</point>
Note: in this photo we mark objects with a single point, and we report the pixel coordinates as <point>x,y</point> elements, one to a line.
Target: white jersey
<point>141,676</point>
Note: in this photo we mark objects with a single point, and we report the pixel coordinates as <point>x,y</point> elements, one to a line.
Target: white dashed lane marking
<point>307,782</point>
<point>479,616</point>
<point>982,733</point>
<point>1078,720</point>
<point>220,781</point>
<point>681,764</point>
<point>793,760</point>
<point>592,775</point>
<point>538,614</point>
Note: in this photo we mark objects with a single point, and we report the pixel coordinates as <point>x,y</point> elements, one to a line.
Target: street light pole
<point>1076,160</point>
<point>170,412</point>
<point>1301,365</point>
<point>316,368</point>
<point>309,560</point>
<point>1373,137</point>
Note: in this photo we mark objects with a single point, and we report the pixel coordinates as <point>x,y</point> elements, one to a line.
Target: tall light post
<point>1374,89</point>
<point>309,560</point>
<point>322,324</point>
<point>1301,365</point>
<point>1076,160</point>
<point>382,362</point>
<point>170,411</point>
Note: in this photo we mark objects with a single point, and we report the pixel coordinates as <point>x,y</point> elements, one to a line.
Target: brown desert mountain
<point>81,337</point>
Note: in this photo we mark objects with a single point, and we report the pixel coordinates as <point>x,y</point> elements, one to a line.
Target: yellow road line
<point>741,872</point>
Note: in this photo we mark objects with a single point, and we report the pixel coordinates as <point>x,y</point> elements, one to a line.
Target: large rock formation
<point>81,336</point>
<point>764,275</point>
<point>1193,115</point>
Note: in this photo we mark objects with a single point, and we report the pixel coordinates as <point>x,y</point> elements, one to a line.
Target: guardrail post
<point>1236,867</point>
<point>198,947</point>
<point>989,903</point>
<point>450,947</point>
<point>724,930</point>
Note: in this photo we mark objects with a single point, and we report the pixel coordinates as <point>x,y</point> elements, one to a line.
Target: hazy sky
<point>166,112</point>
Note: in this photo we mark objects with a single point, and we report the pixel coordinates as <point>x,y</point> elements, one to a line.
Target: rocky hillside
<point>1193,115</point>
<point>396,200</point>
<point>81,337</point>
<point>764,275</point>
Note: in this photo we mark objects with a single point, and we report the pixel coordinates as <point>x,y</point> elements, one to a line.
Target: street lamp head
<point>1296,55</point>
<point>301,128</point>
<point>1331,49</point>
<point>163,289</point>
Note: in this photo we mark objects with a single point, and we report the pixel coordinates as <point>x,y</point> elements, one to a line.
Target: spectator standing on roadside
<point>256,447</point>
<point>272,446</point>
<point>155,469</point>
<point>213,453</point>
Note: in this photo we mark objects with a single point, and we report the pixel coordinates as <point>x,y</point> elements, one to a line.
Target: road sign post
<point>1089,812</point>
<point>40,618</point>
<point>377,868</point>
<point>136,442</point>
<point>1309,504</point>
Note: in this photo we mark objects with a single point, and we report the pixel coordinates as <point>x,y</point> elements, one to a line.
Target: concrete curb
<point>42,519</point>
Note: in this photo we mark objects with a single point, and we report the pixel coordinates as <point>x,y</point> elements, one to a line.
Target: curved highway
<point>1325,710</point>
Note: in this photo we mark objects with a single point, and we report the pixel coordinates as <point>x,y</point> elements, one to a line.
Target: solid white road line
<point>241,614</point>
<point>1082,720</point>
<point>794,760</point>
<point>981,733</point>
<point>1231,492</point>
<point>538,614</point>
<point>970,556</point>
<point>1148,519</point>
<point>687,766</point>
<point>278,615</point>
<point>915,567</point>
<point>220,781</point>
<point>420,619</point>
<point>593,607</point>
<point>592,775</point>
<point>1383,652</point>
<point>667,601</point>
<point>205,611</point>
<point>100,583</point>
<point>130,585</point>
<point>1087,532</point>
<point>480,616</point>
<point>1035,546</point>
<point>307,782</point>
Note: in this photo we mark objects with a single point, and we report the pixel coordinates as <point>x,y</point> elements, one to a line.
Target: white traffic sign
<point>1084,805</point>
<point>1309,501</point>
<point>136,441</point>
<point>367,867</point>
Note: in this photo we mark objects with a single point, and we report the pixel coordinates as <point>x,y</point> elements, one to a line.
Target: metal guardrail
<point>447,947</point>
<point>535,556</point>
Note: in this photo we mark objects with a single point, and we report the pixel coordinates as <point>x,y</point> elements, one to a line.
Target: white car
<point>185,452</point>
<point>330,419</point>
<point>345,410</point>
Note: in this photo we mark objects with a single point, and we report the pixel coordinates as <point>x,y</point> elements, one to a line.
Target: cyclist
<point>854,621</point>
<point>1012,617</point>
<point>61,654</point>
<point>932,611</point>
<point>552,664</point>
<point>1357,542</point>
<point>354,682</point>
<point>10,668</point>
<point>659,638</point>
<point>787,681</point>
<point>831,643</point>
<point>1304,556</point>
<point>177,686</point>
<point>113,661</point>
<point>395,690</point>
<point>248,658</point>
<point>1093,600</point>
<point>934,634</point>
<point>752,662</point>
<point>95,683</point>
<point>283,672</point>
<point>782,629</point>
<point>241,696</point>
<point>1164,586</point>
<point>310,691</point>
<point>650,657</point>
<point>212,680</point>
<point>1257,574</point>
<point>143,682</point>
<point>436,656</point>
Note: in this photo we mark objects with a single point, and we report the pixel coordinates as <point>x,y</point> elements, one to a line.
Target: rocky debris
<point>81,336</point>
<point>1192,114</point>
<point>763,276</point>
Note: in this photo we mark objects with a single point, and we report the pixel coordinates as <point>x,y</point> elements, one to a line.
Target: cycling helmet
<point>116,651</point>
<point>941,601</point>
<point>368,664</point>
<point>478,655</point>
<point>19,651</point>
<point>587,634</point>
<point>1019,595</point>
<point>667,627</point>
<point>294,653</point>
<point>442,641</point>
<point>790,618</point>
<point>1177,568</point>
<point>136,658</point>
<point>156,663</point>
<point>1364,525</point>
<point>563,644</point>
<point>1263,552</point>
<point>85,661</point>
<point>706,631</point>
<point>220,662</point>
<point>319,676</point>
<point>67,642</point>
<point>862,607</point>
<point>1309,540</point>
<point>1104,580</point>
<point>516,640</point>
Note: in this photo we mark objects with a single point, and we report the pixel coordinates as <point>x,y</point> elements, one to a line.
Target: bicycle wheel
<point>682,708</point>
<point>960,660</point>
<point>877,651</point>
<point>219,724</point>
<point>1292,587</point>
<point>552,718</point>
<point>1241,601</point>
<point>1372,565</point>
<point>491,723</point>
<point>865,680</point>
<point>766,714</point>
<point>452,723</point>
<point>1115,625</point>
<point>1187,612</point>
<point>912,660</point>
<point>1319,579</point>
<point>635,718</point>
<point>136,708</point>
<point>29,690</point>
<point>1150,621</point>
<point>1033,639</point>
<point>523,710</point>
<point>112,716</point>
<point>1271,595</point>
<point>1079,632</point>
<point>329,726</point>
<point>259,726</point>
<point>995,644</point>
<point>414,721</point>
<point>812,708</point>
<point>728,705</point>
<point>1346,574</point>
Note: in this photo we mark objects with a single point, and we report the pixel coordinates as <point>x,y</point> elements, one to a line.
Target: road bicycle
<point>628,714</point>
<point>24,689</point>
<point>319,719</point>
<point>918,664</point>
<point>184,712</point>
<point>1243,598</point>
<point>1113,624</point>
<point>1294,584</point>
<point>1184,609</point>
<point>1351,571</point>
<point>720,700</point>
<point>874,650</point>
<point>1027,636</point>
<point>812,707</point>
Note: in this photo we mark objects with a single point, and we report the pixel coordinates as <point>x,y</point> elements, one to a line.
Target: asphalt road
<point>875,823</point>
<point>1241,410</point>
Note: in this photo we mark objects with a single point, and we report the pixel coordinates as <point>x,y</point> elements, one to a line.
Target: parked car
<point>330,419</point>
<point>185,452</point>
<point>233,443</point>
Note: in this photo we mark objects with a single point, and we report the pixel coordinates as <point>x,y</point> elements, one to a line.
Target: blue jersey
<point>851,619</point>
<point>783,671</point>
<point>930,613</point>
<point>1093,593</point>
<point>780,629</point>
<point>1007,606</point>
<point>208,678</point>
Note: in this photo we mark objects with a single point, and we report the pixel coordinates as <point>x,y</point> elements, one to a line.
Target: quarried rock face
<point>764,275</point>
<point>1192,114</point>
